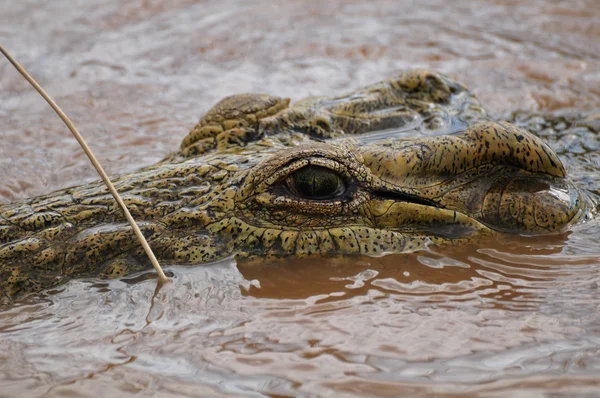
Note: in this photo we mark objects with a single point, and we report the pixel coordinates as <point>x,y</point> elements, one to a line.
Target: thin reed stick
<point>161,275</point>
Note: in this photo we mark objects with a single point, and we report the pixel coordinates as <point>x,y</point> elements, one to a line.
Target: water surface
<point>512,316</point>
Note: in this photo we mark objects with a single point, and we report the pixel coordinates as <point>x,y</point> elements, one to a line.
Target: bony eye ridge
<point>315,182</point>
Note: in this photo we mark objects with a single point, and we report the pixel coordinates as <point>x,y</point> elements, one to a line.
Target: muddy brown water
<point>516,317</point>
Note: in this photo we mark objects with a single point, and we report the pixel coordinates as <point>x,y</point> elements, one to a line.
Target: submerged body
<point>257,177</point>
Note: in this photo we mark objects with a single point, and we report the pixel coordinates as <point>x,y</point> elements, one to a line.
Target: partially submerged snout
<point>494,173</point>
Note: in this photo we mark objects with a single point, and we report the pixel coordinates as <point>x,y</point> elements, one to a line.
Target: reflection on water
<point>510,315</point>
<point>454,320</point>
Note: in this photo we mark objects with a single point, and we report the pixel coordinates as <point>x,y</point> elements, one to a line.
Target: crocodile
<point>393,167</point>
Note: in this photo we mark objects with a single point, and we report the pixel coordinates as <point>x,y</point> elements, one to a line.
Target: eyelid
<point>286,171</point>
<point>292,184</point>
<point>271,172</point>
<point>268,192</point>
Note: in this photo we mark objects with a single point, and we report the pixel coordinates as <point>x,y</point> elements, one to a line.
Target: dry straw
<point>161,275</point>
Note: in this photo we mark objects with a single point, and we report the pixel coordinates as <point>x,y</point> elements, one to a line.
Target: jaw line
<point>410,216</point>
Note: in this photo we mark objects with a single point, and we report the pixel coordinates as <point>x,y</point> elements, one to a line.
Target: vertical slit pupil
<point>315,182</point>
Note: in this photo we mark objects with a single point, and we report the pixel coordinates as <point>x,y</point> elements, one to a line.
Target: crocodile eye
<point>315,182</point>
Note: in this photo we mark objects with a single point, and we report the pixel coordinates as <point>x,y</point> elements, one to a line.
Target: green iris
<point>315,182</point>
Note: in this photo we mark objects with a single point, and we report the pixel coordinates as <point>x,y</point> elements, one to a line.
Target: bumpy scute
<point>420,99</point>
<point>231,117</point>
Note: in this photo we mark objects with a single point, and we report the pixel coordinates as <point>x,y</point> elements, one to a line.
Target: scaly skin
<point>228,190</point>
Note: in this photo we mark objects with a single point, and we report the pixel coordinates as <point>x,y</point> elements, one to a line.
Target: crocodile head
<point>393,167</point>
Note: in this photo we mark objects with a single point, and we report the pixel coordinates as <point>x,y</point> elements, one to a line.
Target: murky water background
<point>517,317</point>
